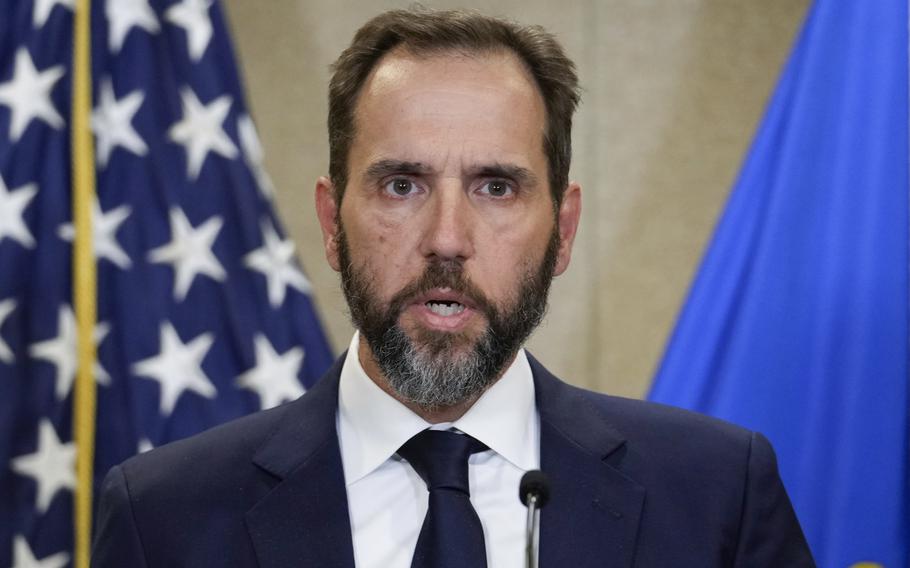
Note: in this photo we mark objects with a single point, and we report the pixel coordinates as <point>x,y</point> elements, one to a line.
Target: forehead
<point>469,104</point>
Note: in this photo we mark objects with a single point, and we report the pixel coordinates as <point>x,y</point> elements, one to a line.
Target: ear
<point>327,212</point>
<point>568,218</point>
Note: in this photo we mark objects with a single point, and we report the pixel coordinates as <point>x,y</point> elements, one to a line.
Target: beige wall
<point>673,90</point>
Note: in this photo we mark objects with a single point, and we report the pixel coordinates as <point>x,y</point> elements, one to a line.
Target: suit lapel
<point>594,510</point>
<point>303,520</point>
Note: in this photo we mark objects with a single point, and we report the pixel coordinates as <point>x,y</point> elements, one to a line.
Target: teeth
<point>445,308</point>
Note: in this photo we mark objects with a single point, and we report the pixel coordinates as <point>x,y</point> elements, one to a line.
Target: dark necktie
<point>451,536</point>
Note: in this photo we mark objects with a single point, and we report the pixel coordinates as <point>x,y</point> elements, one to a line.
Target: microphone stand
<point>530,532</point>
<point>534,492</point>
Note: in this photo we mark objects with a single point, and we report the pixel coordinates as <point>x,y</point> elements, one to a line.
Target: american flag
<point>203,311</point>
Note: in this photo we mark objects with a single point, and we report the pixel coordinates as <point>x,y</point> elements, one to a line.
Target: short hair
<point>427,32</point>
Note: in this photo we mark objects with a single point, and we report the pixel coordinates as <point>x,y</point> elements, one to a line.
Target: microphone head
<point>534,482</point>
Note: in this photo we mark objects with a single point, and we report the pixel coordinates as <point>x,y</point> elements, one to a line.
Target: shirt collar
<point>372,425</point>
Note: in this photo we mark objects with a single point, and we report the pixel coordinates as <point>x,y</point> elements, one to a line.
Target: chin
<point>435,342</point>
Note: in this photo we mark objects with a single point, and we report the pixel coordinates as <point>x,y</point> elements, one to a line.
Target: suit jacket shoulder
<point>210,458</point>
<point>659,485</point>
<point>262,490</point>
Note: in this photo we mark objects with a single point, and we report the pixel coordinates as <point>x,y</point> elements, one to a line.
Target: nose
<point>449,225</point>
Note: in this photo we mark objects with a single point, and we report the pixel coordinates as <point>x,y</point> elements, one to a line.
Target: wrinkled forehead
<point>487,100</point>
<point>487,68</point>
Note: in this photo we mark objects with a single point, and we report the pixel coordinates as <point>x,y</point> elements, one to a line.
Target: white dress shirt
<point>387,500</point>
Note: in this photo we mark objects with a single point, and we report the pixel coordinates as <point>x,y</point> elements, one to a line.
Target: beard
<point>436,369</point>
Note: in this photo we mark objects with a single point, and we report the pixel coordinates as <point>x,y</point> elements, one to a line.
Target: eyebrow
<point>383,168</point>
<point>523,176</point>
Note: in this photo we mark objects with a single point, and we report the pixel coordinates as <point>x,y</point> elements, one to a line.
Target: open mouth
<point>444,307</point>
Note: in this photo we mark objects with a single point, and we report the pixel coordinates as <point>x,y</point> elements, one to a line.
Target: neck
<point>433,414</point>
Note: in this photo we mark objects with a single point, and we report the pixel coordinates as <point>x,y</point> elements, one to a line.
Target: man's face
<point>446,237</point>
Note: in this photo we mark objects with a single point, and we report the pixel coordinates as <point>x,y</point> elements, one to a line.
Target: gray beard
<point>434,369</point>
<point>433,380</point>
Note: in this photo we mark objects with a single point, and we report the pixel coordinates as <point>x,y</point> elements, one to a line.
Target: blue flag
<point>797,323</point>
<point>203,311</point>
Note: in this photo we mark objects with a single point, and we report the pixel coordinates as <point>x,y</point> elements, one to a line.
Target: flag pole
<point>84,280</point>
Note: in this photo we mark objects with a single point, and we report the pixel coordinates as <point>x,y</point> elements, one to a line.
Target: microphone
<point>534,492</point>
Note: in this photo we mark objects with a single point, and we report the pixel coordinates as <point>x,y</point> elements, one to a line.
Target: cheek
<point>384,238</point>
<point>367,230</point>
<point>382,249</point>
<point>519,239</point>
<point>511,257</point>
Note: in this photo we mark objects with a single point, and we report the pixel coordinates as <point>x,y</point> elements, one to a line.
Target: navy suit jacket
<point>633,484</point>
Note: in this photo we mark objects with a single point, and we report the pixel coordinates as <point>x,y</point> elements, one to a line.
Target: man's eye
<point>400,187</point>
<point>497,188</point>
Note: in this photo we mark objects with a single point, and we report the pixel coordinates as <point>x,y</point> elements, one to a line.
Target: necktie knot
<point>451,535</point>
<point>440,458</point>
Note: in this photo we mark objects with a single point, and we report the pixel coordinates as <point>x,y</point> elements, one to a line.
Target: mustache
<point>445,274</point>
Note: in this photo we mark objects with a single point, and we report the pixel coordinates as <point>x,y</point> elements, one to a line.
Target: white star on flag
<point>6,308</point>
<point>193,16</point>
<point>200,131</point>
<point>112,122</point>
<point>274,378</point>
<point>28,94</point>
<point>190,251</point>
<point>124,15</point>
<point>42,10</point>
<point>178,367</point>
<point>253,154</point>
<point>52,466</point>
<point>23,557</point>
<point>104,233</point>
<point>12,208</point>
<point>275,259</point>
<point>61,351</point>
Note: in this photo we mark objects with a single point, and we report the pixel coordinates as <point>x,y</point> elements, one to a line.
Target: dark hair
<point>423,31</point>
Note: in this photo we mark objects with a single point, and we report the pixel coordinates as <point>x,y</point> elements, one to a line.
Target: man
<point>448,211</point>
